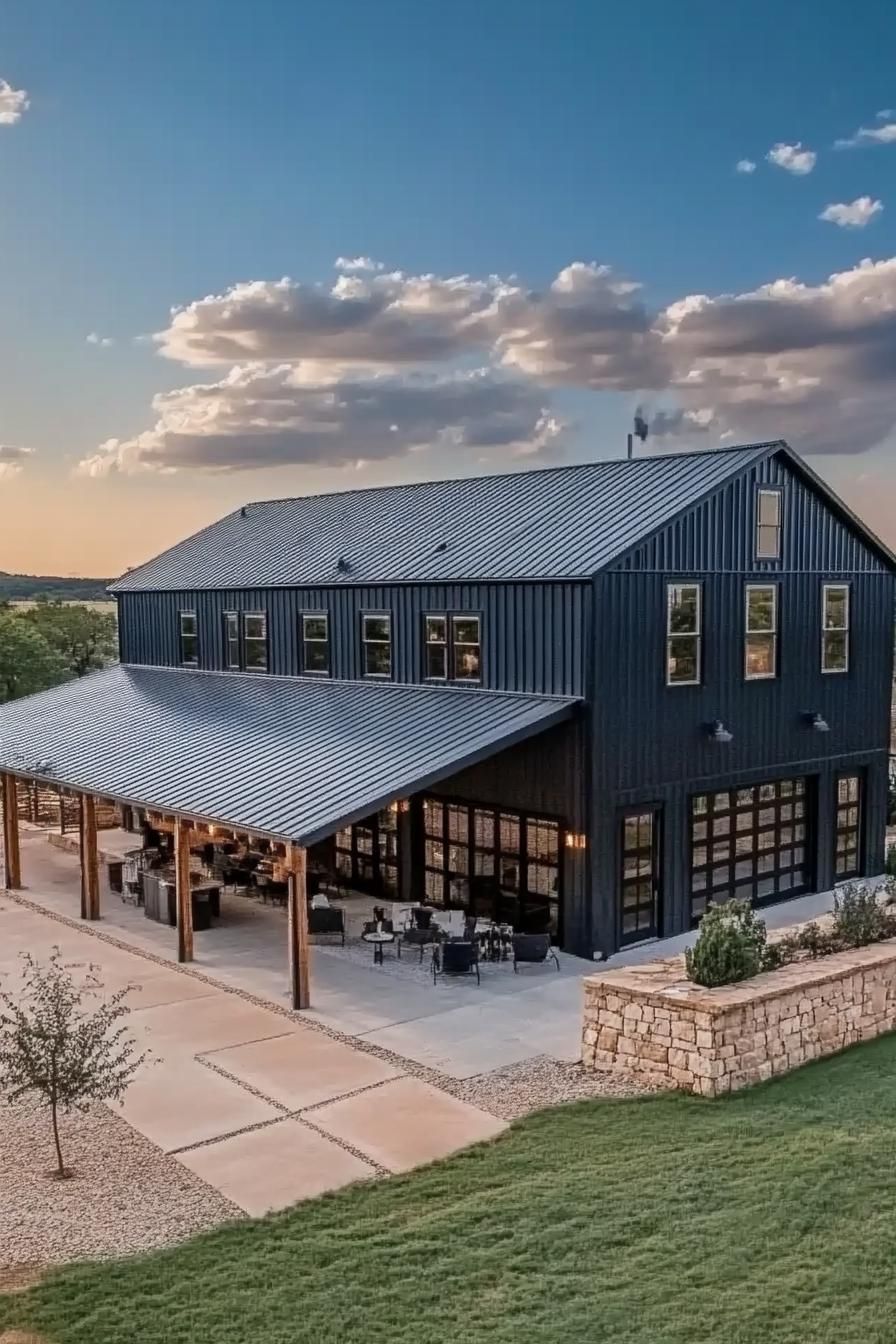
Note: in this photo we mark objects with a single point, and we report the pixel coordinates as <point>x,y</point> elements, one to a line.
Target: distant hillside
<point>28,587</point>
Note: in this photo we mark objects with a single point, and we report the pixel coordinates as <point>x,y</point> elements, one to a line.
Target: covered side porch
<point>207,763</point>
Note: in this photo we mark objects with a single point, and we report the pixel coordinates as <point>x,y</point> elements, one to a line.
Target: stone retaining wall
<point>652,1024</point>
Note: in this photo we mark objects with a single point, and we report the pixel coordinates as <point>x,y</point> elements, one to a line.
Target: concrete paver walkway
<point>244,1095</point>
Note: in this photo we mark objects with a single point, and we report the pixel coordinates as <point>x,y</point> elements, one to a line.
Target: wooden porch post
<point>90,870</point>
<point>184,891</point>
<point>12,856</point>
<point>297,924</point>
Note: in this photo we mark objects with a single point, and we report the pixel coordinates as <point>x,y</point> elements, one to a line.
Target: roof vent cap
<point>343,565</point>
<point>442,546</point>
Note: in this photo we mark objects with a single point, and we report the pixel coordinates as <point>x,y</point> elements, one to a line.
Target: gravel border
<point>126,1195</point>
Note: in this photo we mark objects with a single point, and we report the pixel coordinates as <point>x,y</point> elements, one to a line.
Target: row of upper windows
<point>451,644</point>
<point>684,631</point>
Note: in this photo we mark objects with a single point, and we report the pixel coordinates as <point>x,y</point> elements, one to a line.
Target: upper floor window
<point>466,648</point>
<point>452,647</point>
<point>232,641</point>
<point>316,642</point>
<point>376,644</point>
<point>768,525</point>
<point>684,622</point>
<point>761,631</point>
<point>255,641</point>
<point>189,639</point>
<point>835,627</point>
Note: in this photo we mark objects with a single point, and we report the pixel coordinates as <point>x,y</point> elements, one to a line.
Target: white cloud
<point>94,338</point>
<point>745,166</point>
<point>885,113</point>
<point>358,264</point>
<point>870,135</point>
<point>264,416</point>
<point>13,102</point>
<point>793,158</point>
<point>853,216</point>
<point>12,459</point>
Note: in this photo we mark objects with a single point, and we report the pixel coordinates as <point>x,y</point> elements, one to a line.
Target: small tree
<point>55,1045</point>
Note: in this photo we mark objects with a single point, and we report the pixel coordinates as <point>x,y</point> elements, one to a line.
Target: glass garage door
<point>751,844</point>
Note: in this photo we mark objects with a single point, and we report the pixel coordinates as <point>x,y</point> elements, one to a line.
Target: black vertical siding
<point>650,740</point>
<point>532,634</point>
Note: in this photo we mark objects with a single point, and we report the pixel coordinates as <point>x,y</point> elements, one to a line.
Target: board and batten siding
<point>533,634</point>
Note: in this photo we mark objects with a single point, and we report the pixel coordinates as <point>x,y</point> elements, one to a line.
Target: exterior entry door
<point>639,878</point>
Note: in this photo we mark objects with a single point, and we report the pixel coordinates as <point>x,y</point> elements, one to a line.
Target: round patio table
<point>378,938</point>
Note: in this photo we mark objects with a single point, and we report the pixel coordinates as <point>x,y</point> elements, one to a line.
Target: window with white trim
<point>376,644</point>
<point>232,641</point>
<point>255,641</point>
<point>835,627</point>
<point>768,525</point>
<point>684,620</point>
<point>761,631</point>
<point>189,639</point>
<point>435,648</point>
<point>316,642</point>
<point>466,647</point>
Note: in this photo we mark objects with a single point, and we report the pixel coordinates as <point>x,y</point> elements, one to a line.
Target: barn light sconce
<point>818,722</point>
<point>575,840</point>
<point>717,732</point>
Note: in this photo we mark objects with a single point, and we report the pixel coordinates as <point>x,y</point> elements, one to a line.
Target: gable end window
<point>316,642</point>
<point>684,630</point>
<point>232,641</point>
<point>189,639</point>
<point>376,644</point>
<point>768,525</point>
<point>255,641</point>
<point>835,627</point>
<point>761,632</point>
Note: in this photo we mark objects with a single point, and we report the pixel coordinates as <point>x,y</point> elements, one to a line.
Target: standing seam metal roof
<point>294,758</point>
<point>562,522</point>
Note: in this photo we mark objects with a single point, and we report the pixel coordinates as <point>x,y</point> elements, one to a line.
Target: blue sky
<point>172,151</point>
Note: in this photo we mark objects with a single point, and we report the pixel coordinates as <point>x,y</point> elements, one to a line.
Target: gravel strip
<point>518,1089</point>
<point>126,1194</point>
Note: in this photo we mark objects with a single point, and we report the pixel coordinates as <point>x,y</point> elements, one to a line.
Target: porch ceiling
<point>293,758</point>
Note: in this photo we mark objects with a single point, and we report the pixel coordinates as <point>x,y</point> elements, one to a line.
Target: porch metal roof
<point>293,758</point>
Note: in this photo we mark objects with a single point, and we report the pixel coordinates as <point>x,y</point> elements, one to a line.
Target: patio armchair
<point>532,949</point>
<point>457,958</point>
<point>326,919</point>
<point>421,937</point>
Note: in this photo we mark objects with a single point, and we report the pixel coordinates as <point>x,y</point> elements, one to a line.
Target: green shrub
<point>730,946</point>
<point>859,917</point>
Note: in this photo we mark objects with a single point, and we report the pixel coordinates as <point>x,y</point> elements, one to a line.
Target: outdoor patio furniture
<point>455,958</point>
<point>422,938</point>
<point>533,949</point>
<point>326,919</point>
<point>379,933</point>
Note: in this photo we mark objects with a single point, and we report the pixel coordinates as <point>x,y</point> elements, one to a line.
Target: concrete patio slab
<point>406,1123</point>
<point>207,1023</point>
<point>303,1068</point>
<point>179,1104</point>
<point>268,1169</point>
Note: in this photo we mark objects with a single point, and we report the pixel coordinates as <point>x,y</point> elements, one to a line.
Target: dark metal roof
<point>563,522</point>
<point>292,758</point>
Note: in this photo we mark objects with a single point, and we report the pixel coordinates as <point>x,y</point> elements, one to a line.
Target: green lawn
<point>766,1218</point>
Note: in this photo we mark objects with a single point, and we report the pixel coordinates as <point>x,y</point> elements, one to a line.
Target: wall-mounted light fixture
<point>717,732</point>
<point>817,722</point>
<point>575,840</point>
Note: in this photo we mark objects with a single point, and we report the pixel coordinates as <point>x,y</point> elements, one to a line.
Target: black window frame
<point>770,492</point>
<point>450,645</point>
<point>845,828</point>
<point>382,615</point>
<point>845,630</point>
<point>246,639</point>
<point>775,630</point>
<point>230,624</point>
<point>319,614</point>
<point>188,613</point>
<point>696,635</point>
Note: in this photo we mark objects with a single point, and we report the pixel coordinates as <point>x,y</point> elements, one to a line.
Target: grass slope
<point>767,1217</point>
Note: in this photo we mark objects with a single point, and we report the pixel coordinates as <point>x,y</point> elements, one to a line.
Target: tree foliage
<point>84,637</point>
<point>58,1046</point>
<point>28,663</point>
